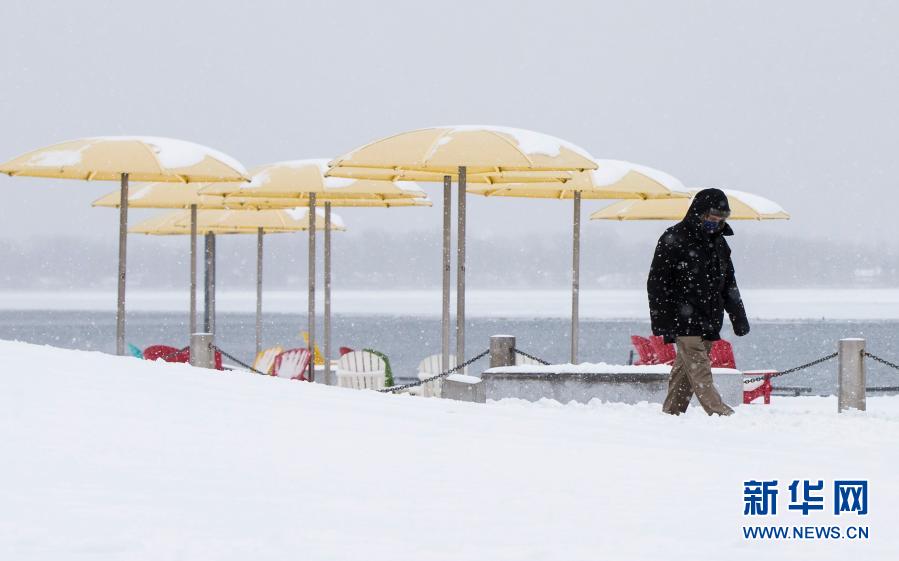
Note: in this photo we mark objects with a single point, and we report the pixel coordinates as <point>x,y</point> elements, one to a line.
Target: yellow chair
<point>266,359</point>
<point>319,358</point>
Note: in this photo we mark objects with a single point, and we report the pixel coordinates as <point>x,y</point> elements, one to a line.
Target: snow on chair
<point>361,370</point>
<point>292,364</point>
<point>432,366</point>
<point>265,360</point>
<point>644,350</point>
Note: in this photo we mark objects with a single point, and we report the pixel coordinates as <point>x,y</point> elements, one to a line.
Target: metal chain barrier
<point>239,363</point>
<point>791,370</point>
<point>441,375</point>
<point>882,360</point>
<point>532,357</point>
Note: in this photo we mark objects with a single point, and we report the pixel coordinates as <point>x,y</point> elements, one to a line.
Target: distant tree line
<point>412,261</point>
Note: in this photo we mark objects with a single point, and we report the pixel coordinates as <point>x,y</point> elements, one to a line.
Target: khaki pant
<point>692,372</point>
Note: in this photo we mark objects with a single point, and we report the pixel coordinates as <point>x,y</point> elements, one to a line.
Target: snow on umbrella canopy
<point>298,179</point>
<point>142,158</point>
<point>482,149</point>
<point>743,206</point>
<point>235,222</point>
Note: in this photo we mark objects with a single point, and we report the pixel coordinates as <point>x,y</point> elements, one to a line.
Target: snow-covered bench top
<point>596,371</point>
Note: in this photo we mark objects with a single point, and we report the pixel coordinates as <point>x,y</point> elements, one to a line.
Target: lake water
<point>771,344</point>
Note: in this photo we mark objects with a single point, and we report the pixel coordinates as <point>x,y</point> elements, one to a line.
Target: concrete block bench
<point>607,382</point>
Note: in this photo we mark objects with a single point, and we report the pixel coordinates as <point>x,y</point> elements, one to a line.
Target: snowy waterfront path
<point>115,458</point>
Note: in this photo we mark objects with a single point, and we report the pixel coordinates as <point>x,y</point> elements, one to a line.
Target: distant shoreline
<point>764,304</point>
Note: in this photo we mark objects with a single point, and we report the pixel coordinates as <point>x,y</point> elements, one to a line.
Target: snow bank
<point>116,458</point>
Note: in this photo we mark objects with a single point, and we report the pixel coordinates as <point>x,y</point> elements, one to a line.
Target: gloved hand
<point>741,325</point>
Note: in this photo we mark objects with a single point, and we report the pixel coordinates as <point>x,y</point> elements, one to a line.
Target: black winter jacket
<point>691,281</point>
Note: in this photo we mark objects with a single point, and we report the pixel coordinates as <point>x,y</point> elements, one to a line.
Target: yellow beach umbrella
<point>468,153</point>
<point>613,179</point>
<point>216,222</point>
<point>481,149</point>
<point>743,206</point>
<point>492,178</point>
<point>124,158</point>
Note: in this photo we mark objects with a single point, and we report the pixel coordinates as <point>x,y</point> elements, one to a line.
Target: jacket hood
<point>704,201</point>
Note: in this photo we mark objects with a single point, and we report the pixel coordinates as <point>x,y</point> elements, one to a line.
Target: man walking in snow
<point>691,284</point>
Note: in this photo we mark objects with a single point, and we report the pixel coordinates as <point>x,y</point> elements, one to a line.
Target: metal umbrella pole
<point>575,275</point>
<point>311,286</point>
<point>460,271</point>
<point>447,225</point>
<point>209,278</point>
<point>260,233</point>
<point>327,326</point>
<point>193,270</point>
<point>123,250</point>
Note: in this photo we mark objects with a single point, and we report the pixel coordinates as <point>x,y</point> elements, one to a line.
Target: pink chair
<point>292,364</point>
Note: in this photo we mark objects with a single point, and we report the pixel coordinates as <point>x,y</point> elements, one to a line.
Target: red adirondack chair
<point>292,364</point>
<point>167,353</point>
<point>644,350</point>
<point>722,355</point>
<point>665,353</point>
<point>172,354</point>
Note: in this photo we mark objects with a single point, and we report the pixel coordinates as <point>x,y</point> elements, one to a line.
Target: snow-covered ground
<point>768,304</point>
<point>115,458</point>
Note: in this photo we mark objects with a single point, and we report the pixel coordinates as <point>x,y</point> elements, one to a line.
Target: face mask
<point>712,226</point>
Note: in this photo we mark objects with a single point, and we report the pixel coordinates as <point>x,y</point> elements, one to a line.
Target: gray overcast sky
<point>792,100</point>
